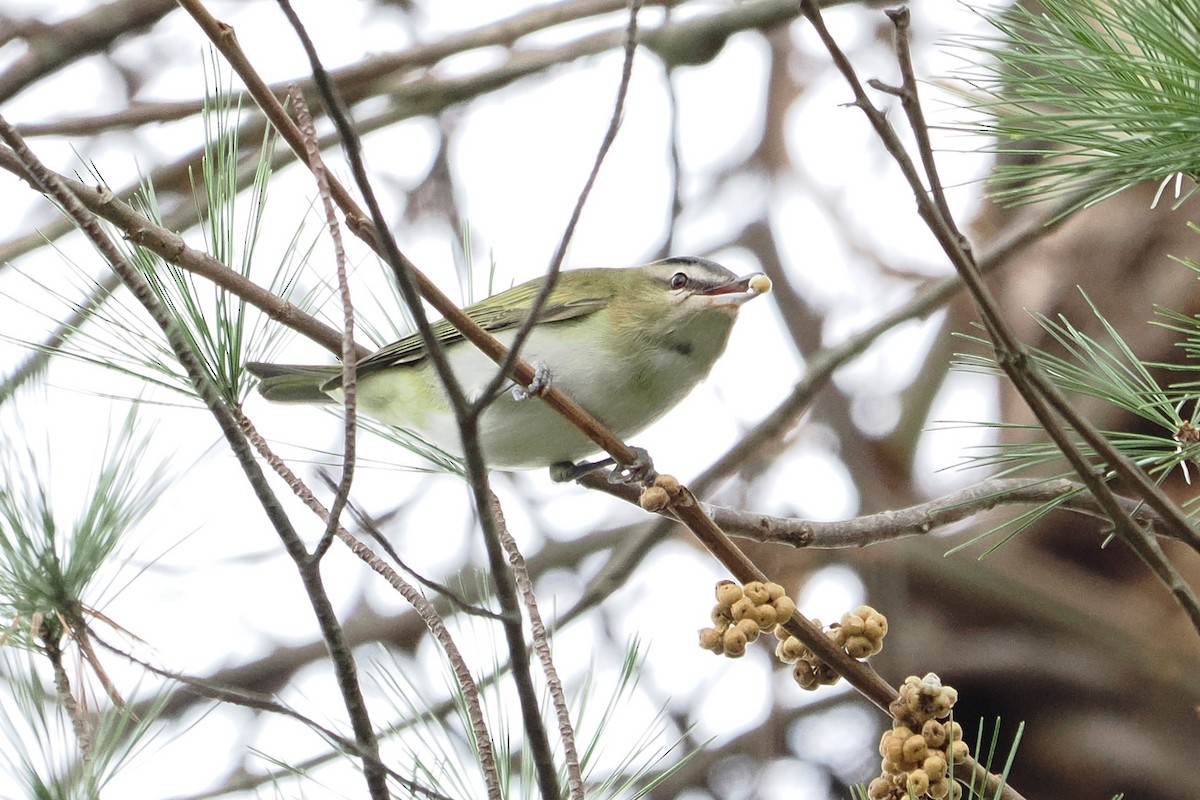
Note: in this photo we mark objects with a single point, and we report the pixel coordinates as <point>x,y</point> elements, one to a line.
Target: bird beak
<point>737,292</point>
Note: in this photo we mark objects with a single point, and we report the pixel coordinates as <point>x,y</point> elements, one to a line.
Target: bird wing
<point>497,313</point>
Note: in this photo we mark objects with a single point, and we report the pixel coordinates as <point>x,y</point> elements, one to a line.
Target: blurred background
<point>481,122</point>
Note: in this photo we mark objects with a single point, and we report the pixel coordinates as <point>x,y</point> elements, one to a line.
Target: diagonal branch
<point>349,362</point>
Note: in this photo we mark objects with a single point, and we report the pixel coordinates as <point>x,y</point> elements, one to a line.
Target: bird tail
<point>291,383</point>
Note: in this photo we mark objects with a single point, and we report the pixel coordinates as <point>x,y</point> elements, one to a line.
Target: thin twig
<point>316,165</point>
<point>62,687</point>
<point>541,645</point>
<point>364,521</point>
<point>922,519</point>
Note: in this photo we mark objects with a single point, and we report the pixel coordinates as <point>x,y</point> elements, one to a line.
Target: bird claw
<point>537,387</point>
<point>640,471</point>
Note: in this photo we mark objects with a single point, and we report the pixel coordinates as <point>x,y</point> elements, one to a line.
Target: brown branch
<point>84,735</point>
<point>541,645</point>
<point>918,520</point>
<point>51,47</point>
<point>348,354</point>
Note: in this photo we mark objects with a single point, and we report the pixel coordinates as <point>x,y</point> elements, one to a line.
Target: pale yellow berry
<point>806,676</point>
<point>934,733</point>
<point>938,789</point>
<point>749,628</point>
<point>757,592</point>
<point>785,607</point>
<point>956,790</point>
<point>859,647</point>
<point>720,615</point>
<point>852,625</point>
<point>734,642</point>
<point>792,650</point>
<point>880,789</point>
<point>918,782</point>
<point>915,749</point>
<point>741,609</point>
<point>760,284</point>
<point>935,765</point>
<point>654,499</point>
<point>775,591</point>
<point>960,750</point>
<point>710,638</point>
<point>728,593</point>
<point>891,747</point>
<point>765,616</point>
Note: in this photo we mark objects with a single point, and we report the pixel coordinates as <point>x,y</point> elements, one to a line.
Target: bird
<point>628,344</point>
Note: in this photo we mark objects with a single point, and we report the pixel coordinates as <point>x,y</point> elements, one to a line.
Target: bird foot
<point>640,471</point>
<point>538,386</point>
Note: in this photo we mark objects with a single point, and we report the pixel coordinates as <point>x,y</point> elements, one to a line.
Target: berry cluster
<point>742,613</point>
<point>919,748</point>
<point>860,633</point>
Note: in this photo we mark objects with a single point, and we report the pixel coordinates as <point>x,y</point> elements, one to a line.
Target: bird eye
<point>679,280</point>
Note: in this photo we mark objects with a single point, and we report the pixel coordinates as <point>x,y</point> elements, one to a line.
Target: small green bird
<point>626,344</point>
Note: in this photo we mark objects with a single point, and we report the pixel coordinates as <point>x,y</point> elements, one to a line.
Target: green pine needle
<point>1088,94</point>
<point>1108,371</point>
<point>48,568</point>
